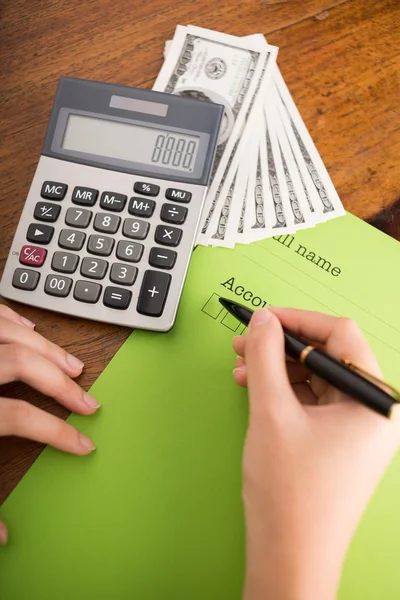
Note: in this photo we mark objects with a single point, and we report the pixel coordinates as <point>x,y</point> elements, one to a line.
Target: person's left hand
<point>27,356</point>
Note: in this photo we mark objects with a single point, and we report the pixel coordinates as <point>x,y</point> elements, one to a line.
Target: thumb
<point>268,383</point>
<point>3,533</point>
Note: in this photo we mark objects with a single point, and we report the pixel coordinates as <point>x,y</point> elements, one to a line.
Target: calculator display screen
<point>131,142</point>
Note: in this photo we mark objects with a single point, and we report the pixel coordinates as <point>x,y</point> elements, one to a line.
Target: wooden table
<point>339,58</point>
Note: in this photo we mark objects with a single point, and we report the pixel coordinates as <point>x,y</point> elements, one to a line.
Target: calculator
<point>112,214</point>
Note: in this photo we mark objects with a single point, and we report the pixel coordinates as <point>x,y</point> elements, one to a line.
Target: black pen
<point>341,374</point>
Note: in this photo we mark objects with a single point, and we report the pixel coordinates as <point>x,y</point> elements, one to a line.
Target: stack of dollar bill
<point>268,177</point>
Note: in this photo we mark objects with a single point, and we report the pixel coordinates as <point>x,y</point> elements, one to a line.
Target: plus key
<point>32,255</point>
<point>153,293</point>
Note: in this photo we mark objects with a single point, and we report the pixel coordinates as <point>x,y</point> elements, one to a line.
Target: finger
<point>18,362</point>
<point>239,362</point>
<point>25,420</point>
<point>240,376</point>
<point>239,344</point>
<point>267,379</point>
<point>3,534</point>
<point>12,333</point>
<point>7,313</point>
<point>341,336</point>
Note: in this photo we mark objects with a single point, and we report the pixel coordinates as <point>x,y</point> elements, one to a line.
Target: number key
<point>25,279</point>
<point>123,274</point>
<point>135,229</point>
<point>56,285</point>
<point>94,268</point>
<point>71,240</point>
<point>64,262</point>
<point>78,217</point>
<point>129,251</point>
<point>100,245</point>
<point>106,223</point>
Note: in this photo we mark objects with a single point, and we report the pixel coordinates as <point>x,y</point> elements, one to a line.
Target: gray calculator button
<point>135,229</point>
<point>78,217</point>
<point>64,262</point>
<point>87,291</point>
<point>57,285</point>
<point>129,251</point>
<point>113,201</point>
<point>123,274</point>
<point>71,239</point>
<point>106,223</point>
<point>84,196</point>
<point>25,279</point>
<point>94,268</point>
<point>47,211</point>
<point>100,245</point>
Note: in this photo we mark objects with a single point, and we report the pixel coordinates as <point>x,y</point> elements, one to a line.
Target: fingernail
<point>260,317</point>
<point>90,401</point>
<point>3,534</point>
<point>74,362</point>
<point>27,322</point>
<point>86,442</point>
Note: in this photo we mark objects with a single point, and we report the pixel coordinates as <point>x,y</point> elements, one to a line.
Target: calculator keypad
<point>86,245</point>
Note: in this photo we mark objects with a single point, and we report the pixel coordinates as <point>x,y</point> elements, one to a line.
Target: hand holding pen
<point>312,456</point>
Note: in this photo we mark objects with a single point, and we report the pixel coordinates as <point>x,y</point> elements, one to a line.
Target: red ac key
<point>32,255</point>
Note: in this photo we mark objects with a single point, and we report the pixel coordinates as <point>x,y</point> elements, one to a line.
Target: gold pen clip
<point>379,382</point>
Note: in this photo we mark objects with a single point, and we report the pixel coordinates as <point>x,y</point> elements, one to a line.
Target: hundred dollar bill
<point>329,200</point>
<point>296,208</point>
<point>220,68</point>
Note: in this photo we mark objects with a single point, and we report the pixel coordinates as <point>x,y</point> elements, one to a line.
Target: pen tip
<point>225,303</point>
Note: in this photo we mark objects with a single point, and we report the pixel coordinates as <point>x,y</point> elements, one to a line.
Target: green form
<point>155,513</point>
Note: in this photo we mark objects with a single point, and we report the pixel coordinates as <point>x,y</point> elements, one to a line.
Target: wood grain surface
<point>340,60</point>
